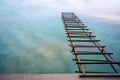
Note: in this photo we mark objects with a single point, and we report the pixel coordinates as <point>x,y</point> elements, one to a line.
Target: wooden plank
<point>87,46</point>
<point>93,53</point>
<point>92,60</point>
<point>81,36</point>
<point>100,75</point>
<point>78,32</point>
<point>77,29</point>
<point>90,72</point>
<point>84,40</point>
<point>97,62</point>
<point>76,26</point>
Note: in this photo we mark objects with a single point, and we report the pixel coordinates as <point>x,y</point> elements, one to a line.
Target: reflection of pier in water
<point>83,43</point>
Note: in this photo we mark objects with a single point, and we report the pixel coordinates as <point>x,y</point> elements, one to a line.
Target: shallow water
<point>40,46</point>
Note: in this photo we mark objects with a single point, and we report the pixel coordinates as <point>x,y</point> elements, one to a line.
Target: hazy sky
<point>32,9</point>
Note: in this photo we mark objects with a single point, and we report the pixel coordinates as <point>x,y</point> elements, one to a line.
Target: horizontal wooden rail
<point>78,32</point>
<point>84,40</point>
<point>80,36</point>
<point>93,53</point>
<point>97,62</point>
<point>86,46</point>
<point>77,29</point>
<point>100,75</point>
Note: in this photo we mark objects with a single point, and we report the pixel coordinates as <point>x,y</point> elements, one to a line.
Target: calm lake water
<point>40,46</point>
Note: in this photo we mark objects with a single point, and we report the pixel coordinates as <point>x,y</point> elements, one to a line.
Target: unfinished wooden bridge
<point>83,43</point>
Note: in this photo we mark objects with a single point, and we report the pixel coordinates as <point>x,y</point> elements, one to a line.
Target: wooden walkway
<point>51,77</point>
<point>83,42</point>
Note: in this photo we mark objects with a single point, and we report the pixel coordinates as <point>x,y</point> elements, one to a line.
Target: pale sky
<point>36,8</point>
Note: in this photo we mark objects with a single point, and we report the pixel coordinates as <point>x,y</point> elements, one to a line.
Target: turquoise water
<point>40,45</point>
